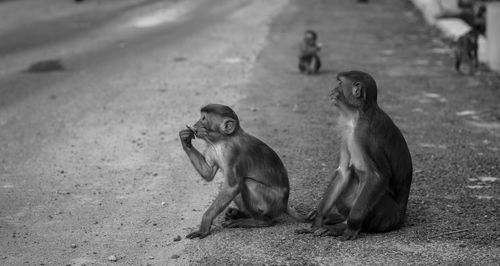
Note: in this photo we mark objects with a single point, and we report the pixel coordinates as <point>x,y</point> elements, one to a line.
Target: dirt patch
<point>45,66</point>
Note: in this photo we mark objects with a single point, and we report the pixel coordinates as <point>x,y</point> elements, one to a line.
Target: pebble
<point>73,245</point>
<point>177,238</point>
<point>112,258</point>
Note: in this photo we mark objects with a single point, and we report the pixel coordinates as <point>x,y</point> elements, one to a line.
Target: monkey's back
<point>258,161</point>
<point>392,145</point>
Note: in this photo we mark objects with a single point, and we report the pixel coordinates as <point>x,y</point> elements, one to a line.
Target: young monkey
<point>309,61</point>
<point>255,178</point>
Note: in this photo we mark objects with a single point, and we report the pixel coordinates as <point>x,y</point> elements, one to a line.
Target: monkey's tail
<point>293,213</point>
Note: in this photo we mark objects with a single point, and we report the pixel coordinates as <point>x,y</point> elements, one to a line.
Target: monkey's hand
<point>202,132</point>
<point>186,135</point>
<point>312,216</point>
<point>198,234</point>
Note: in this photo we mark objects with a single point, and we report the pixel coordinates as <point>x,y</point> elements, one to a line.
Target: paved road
<point>91,165</point>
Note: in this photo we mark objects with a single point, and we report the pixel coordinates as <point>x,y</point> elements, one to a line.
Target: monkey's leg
<point>334,218</point>
<point>302,65</point>
<point>223,199</point>
<point>327,211</point>
<point>315,64</point>
<point>386,215</point>
<point>263,204</point>
<point>318,64</point>
<point>237,213</point>
<point>458,60</point>
<point>338,185</point>
<point>476,59</point>
<point>371,191</point>
<point>473,63</point>
<point>457,64</point>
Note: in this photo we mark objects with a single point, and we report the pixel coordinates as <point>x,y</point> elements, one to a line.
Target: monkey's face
<point>347,94</point>
<point>212,127</point>
<point>309,38</point>
<point>339,92</point>
<point>203,126</point>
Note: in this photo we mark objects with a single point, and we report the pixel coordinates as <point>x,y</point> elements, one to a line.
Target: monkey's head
<point>310,36</point>
<point>355,90</point>
<point>217,122</point>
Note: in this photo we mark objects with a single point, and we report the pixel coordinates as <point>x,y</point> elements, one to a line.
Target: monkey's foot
<point>304,231</point>
<point>336,230</point>
<point>233,214</point>
<point>349,234</point>
<point>312,215</point>
<point>198,234</point>
<point>246,223</point>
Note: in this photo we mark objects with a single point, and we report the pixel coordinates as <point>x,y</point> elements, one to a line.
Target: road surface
<point>92,166</point>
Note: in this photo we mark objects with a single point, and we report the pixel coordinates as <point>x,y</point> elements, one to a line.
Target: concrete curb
<point>450,27</point>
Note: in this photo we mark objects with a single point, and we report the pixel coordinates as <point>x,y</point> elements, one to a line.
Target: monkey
<point>309,61</point>
<point>479,20</point>
<point>255,178</point>
<point>370,188</point>
<point>466,48</point>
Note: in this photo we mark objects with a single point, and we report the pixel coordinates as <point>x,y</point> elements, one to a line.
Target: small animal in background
<point>466,49</point>
<point>309,61</point>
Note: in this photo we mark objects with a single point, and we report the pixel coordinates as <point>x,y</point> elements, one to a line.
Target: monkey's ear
<point>228,126</point>
<point>357,87</point>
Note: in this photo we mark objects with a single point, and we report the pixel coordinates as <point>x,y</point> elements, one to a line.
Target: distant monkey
<point>309,61</point>
<point>466,49</point>
<point>369,189</point>
<point>255,179</point>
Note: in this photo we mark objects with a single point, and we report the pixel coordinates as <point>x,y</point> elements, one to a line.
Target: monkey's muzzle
<point>334,96</point>
<point>192,129</point>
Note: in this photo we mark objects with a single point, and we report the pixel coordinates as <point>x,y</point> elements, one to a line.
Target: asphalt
<point>92,166</point>
<point>450,121</point>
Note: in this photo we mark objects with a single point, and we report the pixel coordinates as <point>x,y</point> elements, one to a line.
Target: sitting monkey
<point>370,188</point>
<point>255,178</point>
<point>309,61</point>
<point>466,49</point>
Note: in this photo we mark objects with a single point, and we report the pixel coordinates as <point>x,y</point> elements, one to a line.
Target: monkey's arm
<point>337,185</point>
<point>205,169</point>
<point>223,199</point>
<point>309,50</point>
<point>371,190</point>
